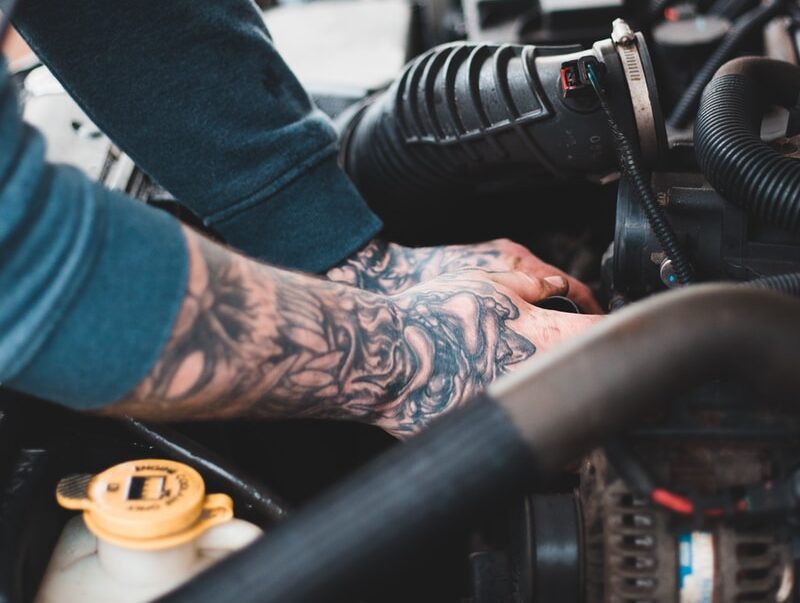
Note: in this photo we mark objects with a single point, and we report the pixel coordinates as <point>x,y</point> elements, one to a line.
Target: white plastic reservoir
<point>147,526</point>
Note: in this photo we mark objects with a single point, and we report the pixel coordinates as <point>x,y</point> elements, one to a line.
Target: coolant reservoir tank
<point>147,526</point>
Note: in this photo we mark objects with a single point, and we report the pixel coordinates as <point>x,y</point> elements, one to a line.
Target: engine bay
<point>647,148</point>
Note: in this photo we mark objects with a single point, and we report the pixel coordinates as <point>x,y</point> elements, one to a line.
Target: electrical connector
<point>575,76</point>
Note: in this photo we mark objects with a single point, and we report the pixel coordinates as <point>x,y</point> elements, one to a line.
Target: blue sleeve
<point>90,280</point>
<point>196,93</point>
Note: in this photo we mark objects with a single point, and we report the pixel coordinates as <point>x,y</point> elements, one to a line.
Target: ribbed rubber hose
<point>739,165</point>
<point>782,283</point>
<point>374,518</point>
<point>741,29</point>
<point>464,116</point>
<point>456,109</point>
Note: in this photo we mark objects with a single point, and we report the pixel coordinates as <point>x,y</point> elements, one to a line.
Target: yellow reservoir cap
<point>145,504</point>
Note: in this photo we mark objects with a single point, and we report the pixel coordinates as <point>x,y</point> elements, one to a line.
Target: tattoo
<point>389,268</point>
<point>255,341</point>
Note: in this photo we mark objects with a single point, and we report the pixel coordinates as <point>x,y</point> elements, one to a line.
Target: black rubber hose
<point>534,421</point>
<point>782,283</point>
<point>728,146</point>
<point>749,22</point>
<point>730,9</point>
<point>369,522</point>
<point>242,487</point>
<point>464,115</point>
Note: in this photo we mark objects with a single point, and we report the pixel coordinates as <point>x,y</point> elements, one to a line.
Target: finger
<point>578,291</point>
<point>530,288</point>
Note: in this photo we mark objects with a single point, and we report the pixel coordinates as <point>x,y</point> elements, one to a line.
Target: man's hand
<point>463,330</point>
<point>253,340</point>
<point>389,268</point>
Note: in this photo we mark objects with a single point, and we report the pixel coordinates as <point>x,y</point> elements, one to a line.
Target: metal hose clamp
<point>627,45</point>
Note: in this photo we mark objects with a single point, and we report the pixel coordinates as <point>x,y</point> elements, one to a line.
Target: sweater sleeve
<point>90,280</point>
<point>197,94</point>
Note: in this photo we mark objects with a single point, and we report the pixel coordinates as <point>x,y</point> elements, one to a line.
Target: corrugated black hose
<point>630,164</point>
<point>739,165</point>
<point>744,169</point>
<point>782,283</point>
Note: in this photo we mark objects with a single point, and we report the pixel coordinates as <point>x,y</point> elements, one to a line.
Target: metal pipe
<point>641,359</point>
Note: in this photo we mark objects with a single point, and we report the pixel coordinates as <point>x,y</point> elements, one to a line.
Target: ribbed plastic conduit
<point>738,164</point>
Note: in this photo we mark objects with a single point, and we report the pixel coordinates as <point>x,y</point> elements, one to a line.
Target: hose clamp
<point>627,47</point>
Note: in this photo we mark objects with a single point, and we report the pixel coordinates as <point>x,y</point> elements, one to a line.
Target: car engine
<point>650,148</point>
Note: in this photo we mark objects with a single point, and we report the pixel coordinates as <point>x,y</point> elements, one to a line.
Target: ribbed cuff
<point>313,223</point>
<point>115,329</point>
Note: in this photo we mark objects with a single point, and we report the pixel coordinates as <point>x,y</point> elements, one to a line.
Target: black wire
<point>631,165</point>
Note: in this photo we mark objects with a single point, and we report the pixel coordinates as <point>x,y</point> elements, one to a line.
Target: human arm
<point>253,340</point>
<point>197,94</point>
<point>109,304</point>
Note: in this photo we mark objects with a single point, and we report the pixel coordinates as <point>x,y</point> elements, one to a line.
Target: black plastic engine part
<point>742,28</point>
<point>631,165</point>
<point>722,240</point>
<point>464,117</point>
<point>554,525</point>
<point>744,169</point>
<point>535,556</point>
<point>680,49</point>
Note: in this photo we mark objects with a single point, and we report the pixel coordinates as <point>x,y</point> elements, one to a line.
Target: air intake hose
<point>738,164</point>
<point>465,115</point>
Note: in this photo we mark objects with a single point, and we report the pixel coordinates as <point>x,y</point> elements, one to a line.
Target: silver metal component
<point>622,33</point>
<point>668,276</point>
<point>637,86</point>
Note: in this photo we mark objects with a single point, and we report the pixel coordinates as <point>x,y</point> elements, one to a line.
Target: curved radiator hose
<point>465,114</point>
<point>531,424</point>
<point>738,164</point>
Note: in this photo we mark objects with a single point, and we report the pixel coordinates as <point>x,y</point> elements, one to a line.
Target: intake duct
<point>464,117</point>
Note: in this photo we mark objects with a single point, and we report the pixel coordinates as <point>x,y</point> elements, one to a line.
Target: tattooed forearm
<point>252,340</point>
<point>389,268</point>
